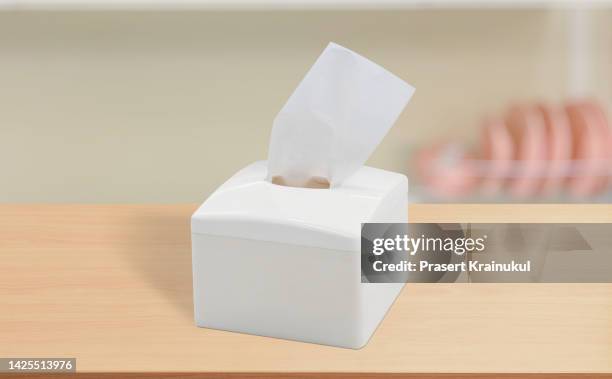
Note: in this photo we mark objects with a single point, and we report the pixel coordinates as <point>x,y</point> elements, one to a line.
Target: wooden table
<point>111,286</point>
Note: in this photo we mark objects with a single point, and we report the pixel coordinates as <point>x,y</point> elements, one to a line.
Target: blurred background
<point>136,102</point>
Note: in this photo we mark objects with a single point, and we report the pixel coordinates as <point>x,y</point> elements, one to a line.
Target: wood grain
<point>111,286</point>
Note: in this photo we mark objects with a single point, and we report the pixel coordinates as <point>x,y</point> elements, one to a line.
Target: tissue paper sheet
<point>334,119</point>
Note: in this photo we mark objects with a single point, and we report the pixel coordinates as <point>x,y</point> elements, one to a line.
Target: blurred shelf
<point>87,5</point>
<point>419,194</point>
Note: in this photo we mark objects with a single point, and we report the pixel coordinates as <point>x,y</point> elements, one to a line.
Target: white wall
<point>164,106</point>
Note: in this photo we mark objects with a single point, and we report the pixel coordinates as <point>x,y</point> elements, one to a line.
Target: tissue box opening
<point>315,182</point>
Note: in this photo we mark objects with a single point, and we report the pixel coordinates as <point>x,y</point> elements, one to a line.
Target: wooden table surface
<point>111,286</point>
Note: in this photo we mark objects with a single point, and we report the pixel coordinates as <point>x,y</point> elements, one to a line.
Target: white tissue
<point>334,119</point>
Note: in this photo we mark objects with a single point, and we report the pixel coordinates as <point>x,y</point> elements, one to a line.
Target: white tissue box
<point>285,262</point>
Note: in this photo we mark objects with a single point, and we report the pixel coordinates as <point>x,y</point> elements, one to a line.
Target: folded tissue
<point>334,119</point>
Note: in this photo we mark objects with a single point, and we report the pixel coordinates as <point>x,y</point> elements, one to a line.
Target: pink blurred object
<point>559,147</point>
<point>527,129</point>
<point>589,149</point>
<point>447,170</point>
<point>535,150</point>
<point>497,148</point>
<point>606,162</point>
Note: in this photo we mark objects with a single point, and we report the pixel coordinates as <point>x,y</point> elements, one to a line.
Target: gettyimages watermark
<point>512,253</point>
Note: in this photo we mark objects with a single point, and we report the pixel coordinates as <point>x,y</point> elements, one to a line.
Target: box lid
<point>248,206</point>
